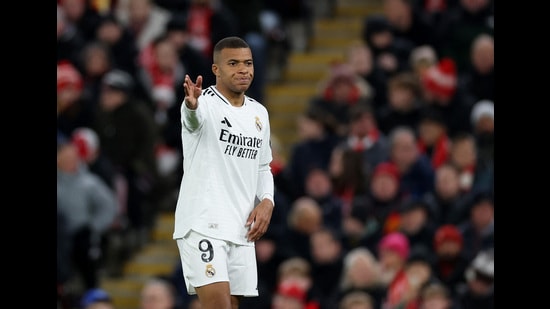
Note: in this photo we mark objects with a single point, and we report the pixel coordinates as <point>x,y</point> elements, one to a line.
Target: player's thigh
<point>214,296</point>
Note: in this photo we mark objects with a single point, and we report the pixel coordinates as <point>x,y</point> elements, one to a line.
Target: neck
<point>235,98</point>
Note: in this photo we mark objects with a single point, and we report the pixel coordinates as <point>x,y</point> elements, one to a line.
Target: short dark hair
<point>230,42</point>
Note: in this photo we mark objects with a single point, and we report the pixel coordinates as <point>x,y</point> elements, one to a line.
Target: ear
<point>215,69</point>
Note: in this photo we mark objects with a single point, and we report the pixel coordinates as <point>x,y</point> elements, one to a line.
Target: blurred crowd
<point>386,200</point>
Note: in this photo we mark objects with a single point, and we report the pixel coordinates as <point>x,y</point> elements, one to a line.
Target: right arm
<point>190,119</point>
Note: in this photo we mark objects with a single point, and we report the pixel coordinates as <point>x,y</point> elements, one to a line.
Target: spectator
<point>433,140</point>
<point>415,170</point>
<point>121,42</point>
<point>159,293</point>
<point>435,295</point>
<point>361,227</point>
<point>312,150</point>
<point>480,291</point>
<point>128,136</point>
<point>81,15</point>
<point>145,20</point>
<point>73,109</point>
<point>450,258</point>
<point>349,176</point>
<point>362,272</point>
<point>304,218</point>
<point>337,93</point>
<point>404,103</point>
<point>447,195</point>
<point>365,137</point>
<point>419,272</point>
<point>319,186</point>
<point>89,207</point>
<point>461,25</point>
<point>393,252</point>
<point>294,281</point>
<point>483,122</point>
<point>359,56</point>
<point>96,61</point>
<point>70,39</point>
<point>416,222</point>
<point>441,91</point>
<point>409,24</point>
<point>475,174</point>
<point>390,52</point>
<point>478,230</point>
<point>479,78</point>
<point>421,58</point>
<point>208,21</point>
<point>327,254</point>
<point>356,300</point>
<point>386,195</point>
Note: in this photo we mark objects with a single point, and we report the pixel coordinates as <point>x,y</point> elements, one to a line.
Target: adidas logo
<point>226,122</point>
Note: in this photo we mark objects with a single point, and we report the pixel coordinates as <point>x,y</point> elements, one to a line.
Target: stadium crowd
<point>386,201</point>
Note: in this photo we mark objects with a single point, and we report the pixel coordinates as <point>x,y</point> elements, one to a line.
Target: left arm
<point>260,217</point>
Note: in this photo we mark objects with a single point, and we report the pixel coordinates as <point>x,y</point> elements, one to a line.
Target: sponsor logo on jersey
<point>226,122</point>
<point>240,145</point>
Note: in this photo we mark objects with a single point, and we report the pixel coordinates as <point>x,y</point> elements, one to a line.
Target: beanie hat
<point>447,232</point>
<point>396,242</point>
<point>482,108</point>
<point>386,168</point>
<point>86,141</point>
<point>442,78</point>
<point>68,75</point>
<point>119,79</point>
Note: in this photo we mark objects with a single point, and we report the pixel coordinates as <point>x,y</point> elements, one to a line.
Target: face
<point>67,159</point>
<point>400,98</point>
<point>318,184</point>
<point>413,220</point>
<point>156,297</point>
<point>430,132</point>
<point>111,98</point>
<point>483,55</point>
<point>324,248</point>
<point>234,70</point>
<point>97,62</point>
<point>360,59</point>
<point>404,151</point>
<point>384,187</point>
<point>166,56</point>
<point>447,183</point>
<point>463,153</point>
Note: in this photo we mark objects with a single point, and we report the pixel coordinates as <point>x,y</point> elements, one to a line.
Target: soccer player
<point>225,201</point>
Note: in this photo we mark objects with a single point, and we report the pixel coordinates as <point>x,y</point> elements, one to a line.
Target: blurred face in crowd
<point>483,54</point>
<point>306,216</point>
<point>400,98</point>
<point>413,220</point>
<point>139,11</point>
<point>474,6</point>
<point>399,13</point>
<point>485,124</point>
<point>101,305</point>
<point>109,32</point>
<point>448,249</point>
<point>430,131</point>
<point>384,187</point>
<point>324,248</point>
<point>482,214</point>
<point>309,129</point>
<point>68,159</point>
<point>404,151</point>
<point>96,61</point>
<point>111,98</point>
<point>363,272</point>
<point>390,263</point>
<point>463,152</point>
<point>156,296</point>
<point>362,124</point>
<point>166,56</point>
<point>447,184</point>
<point>318,184</point>
<point>360,59</point>
<point>74,9</point>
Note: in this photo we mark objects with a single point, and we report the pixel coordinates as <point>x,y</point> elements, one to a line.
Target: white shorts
<point>207,260</point>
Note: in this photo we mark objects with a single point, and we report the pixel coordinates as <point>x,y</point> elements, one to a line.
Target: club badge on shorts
<point>258,123</point>
<point>210,271</point>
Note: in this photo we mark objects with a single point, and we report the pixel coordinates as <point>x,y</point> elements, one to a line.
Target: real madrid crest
<point>210,271</point>
<point>258,123</point>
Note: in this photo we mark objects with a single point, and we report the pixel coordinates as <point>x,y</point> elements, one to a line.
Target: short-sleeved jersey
<point>221,159</point>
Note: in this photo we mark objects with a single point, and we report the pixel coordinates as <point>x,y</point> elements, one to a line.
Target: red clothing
<point>441,151</point>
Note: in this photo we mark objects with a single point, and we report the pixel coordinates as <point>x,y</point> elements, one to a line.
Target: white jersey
<point>221,163</point>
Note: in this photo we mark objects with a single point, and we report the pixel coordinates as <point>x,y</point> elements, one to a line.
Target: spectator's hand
<point>192,91</point>
<point>258,220</point>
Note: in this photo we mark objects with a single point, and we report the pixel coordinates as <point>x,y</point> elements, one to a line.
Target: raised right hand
<point>192,91</point>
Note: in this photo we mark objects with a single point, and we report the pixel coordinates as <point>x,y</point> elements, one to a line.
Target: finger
<point>199,82</point>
